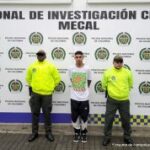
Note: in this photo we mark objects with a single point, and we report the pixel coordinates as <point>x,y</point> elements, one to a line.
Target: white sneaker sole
<point>75,141</point>
<point>84,141</point>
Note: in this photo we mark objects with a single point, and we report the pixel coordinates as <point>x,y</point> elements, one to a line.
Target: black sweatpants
<point>79,109</point>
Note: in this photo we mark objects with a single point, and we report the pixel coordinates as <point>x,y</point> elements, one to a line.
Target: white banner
<point>100,32</point>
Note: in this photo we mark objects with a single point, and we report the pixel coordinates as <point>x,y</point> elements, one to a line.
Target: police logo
<point>60,87</point>
<point>145,54</point>
<point>15,86</point>
<point>144,87</point>
<point>101,54</point>
<point>79,38</point>
<point>123,38</point>
<point>126,66</point>
<point>15,53</point>
<point>113,78</point>
<point>34,70</point>
<point>36,38</point>
<point>58,53</point>
<point>98,87</point>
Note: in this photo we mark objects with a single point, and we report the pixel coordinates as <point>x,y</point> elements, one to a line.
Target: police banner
<point>100,31</point>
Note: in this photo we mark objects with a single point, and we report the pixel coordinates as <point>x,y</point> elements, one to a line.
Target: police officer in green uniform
<point>42,77</point>
<point>117,81</point>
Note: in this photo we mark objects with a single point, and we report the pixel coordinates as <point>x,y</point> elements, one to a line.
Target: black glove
<point>30,90</point>
<point>106,94</point>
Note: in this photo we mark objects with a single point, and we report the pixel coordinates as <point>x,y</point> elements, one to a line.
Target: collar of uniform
<point>117,69</point>
<point>42,62</point>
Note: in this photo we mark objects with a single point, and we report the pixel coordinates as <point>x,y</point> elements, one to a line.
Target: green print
<point>79,81</point>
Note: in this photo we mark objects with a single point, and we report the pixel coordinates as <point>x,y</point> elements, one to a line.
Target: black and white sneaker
<point>76,138</point>
<point>83,138</point>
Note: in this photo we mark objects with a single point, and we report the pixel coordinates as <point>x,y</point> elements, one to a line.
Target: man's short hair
<point>78,53</point>
<point>118,58</point>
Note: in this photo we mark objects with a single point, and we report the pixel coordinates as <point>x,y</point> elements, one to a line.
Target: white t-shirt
<point>79,79</point>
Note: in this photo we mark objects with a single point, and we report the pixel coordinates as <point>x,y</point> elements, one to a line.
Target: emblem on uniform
<point>113,78</point>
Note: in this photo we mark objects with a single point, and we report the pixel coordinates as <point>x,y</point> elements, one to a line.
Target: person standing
<point>117,81</point>
<point>42,78</point>
<point>80,76</point>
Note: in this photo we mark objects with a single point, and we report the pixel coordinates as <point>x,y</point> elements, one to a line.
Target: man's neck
<point>80,65</point>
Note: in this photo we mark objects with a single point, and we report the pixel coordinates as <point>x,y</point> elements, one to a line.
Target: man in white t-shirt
<point>80,76</point>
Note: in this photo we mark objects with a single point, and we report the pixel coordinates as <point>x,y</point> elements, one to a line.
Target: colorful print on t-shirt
<point>79,81</point>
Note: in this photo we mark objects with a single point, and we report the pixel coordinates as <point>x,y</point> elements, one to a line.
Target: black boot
<point>106,141</point>
<point>32,137</point>
<point>50,136</point>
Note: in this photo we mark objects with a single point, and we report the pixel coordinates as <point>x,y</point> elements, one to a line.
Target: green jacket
<point>118,83</point>
<point>43,77</point>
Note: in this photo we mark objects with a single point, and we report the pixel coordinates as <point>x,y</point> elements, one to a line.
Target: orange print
<point>77,79</point>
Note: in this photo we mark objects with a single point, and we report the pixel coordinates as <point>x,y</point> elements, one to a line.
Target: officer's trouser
<point>124,110</point>
<point>36,103</point>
